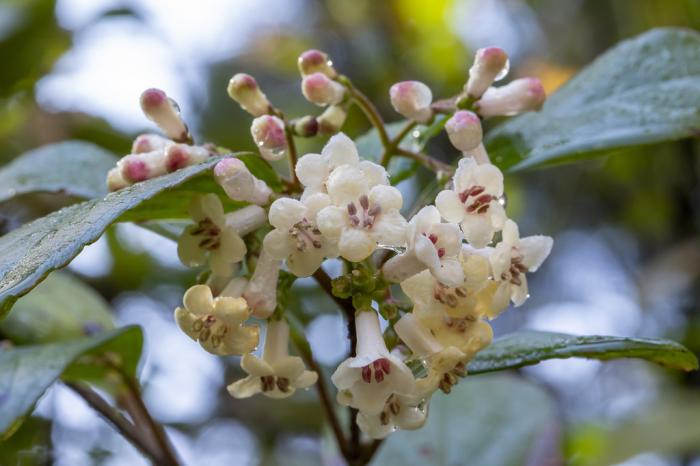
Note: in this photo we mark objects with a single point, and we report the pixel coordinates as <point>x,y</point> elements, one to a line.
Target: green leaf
<point>75,168</point>
<point>261,169</point>
<point>644,90</point>
<point>485,421</point>
<point>32,251</point>
<point>26,372</point>
<point>530,347</point>
<point>60,308</point>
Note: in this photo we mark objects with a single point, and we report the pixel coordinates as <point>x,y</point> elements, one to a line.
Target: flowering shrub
<point>419,284</point>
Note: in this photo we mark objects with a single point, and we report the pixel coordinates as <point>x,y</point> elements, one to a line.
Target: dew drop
<point>503,200</point>
<point>416,134</point>
<point>396,249</point>
<point>504,71</point>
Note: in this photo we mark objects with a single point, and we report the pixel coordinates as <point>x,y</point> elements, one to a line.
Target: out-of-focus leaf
<point>30,445</point>
<point>32,251</point>
<point>530,347</point>
<point>489,421</point>
<point>75,168</point>
<point>60,308</point>
<point>26,372</point>
<point>642,91</point>
<point>671,426</point>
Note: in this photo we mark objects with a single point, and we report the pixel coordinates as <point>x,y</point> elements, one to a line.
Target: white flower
<point>490,64</point>
<point>474,201</point>
<point>210,238</point>
<point>511,258</point>
<point>521,95</point>
<point>313,169</point>
<point>239,183</point>
<point>276,374</point>
<point>261,290</point>
<point>400,412</point>
<point>364,214</point>
<point>366,381</point>
<point>296,237</point>
<point>412,99</point>
<point>431,244</point>
<point>164,112</point>
<point>464,130</point>
<point>216,323</point>
<point>269,135</point>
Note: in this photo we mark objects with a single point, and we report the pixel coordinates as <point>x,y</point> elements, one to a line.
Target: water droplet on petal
<point>396,249</point>
<point>416,134</point>
<point>503,200</point>
<point>502,74</point>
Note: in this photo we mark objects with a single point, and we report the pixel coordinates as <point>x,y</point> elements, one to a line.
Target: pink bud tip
<point>315,61</point>
<point>136,170</point>
<point>176,157</point>
<point>227,166</point>
<point>321,90</point>
<point>313,57</point>
<point>412,99</point>
<point>464,130</point>
<point>152,98</point>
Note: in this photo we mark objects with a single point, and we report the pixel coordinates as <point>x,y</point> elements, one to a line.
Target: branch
<point>345,304</point>
<point>389,151</point>
<point>119,422</point>
<point>369,110</point>
<point>427,161</point>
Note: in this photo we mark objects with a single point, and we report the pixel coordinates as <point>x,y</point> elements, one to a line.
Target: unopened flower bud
<point>148,143</point>
<point>464,130</point>
<point>165,113</point>
<point>140,167</point>
<point>115,180</point>
<point>261,291</point>
<point>244,89</point>
<point>490,64</point>
<point>412,99</point>
<point>521,95</point>
<point>306,126</point>
<point>239,184</point>
<point>332,119</point>
<point>321,90</point>
<point>247,219</point>
<point>315,61</point>
<point>182,155</point>
<point>268,134</point>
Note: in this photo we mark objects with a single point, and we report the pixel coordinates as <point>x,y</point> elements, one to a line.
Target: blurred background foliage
<point>626,259</point>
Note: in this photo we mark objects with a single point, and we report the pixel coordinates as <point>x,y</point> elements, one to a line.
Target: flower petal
<point>199,300</point>
<point>232,246</point>
<point>510,234</point>
<point>290,367</point>
<point>188,249</point>
<point>278,244</point>
<point>449,238</point>
<point>314,203</point>
<point>449,272</point>
<point>345,375</point>
<point>340,150</point>
<point>306,379</point>
<point>425,252</point>
<point>491,178</point>
<point>419,288</point>
<point>449,205</point>
<point>374,173</point>
<point>255,366</point>
<point>477,229</point>
<point>285,212</point>
<point>519,293</point>
<point>390,229</point>
<point>245,388</point>
<point>331,220</point>
<point>355,245</point>
<point>387,197</point>
<point>312,170</point>
<point>535,250</point>
<point>212,209</point>
<point>346,184</point>
<point>305,263</point>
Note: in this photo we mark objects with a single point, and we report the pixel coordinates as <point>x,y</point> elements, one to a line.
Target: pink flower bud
<point>268,134</point>
<point>244,89</point>
<point>464,130</point>
<point>306,126</point>
<point>239,184</point>
<point>315,61</point>
<point>115,180</point>
<point>412,99</point>
<point>182,155</point>
<point>490,64</point>
<point>321,90</point>
<point>332,120</point>
<point>164,112</point>
<point>148,143</point>
<point>521,95</point>
<point>140,167</point>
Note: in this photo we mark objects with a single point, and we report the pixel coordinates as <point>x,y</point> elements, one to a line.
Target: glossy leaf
<point>26,372</point>
<point>32,251</point>
<point>75,168</point>
<point>60,308</point>
<point>530,347</point>
<point>643,90</point>
<point>485,421</point>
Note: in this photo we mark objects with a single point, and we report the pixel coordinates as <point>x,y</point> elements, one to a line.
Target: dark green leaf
<point>60,308</point>
<point>31,252</point>
<point>642,91</point>
<point>26,372</point>
<point>489,421</point>
<point>75,168</point>
<point>530,347</point>
<point>261,169</point>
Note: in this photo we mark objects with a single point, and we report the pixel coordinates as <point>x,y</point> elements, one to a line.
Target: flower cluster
<point>459,261</point>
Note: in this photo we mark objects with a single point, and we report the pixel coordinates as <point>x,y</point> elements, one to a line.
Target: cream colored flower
<point>217,323</point>
<point>276,374</point>
<point>474,201</point>
<point>296,237</point>
<point>367,380</point>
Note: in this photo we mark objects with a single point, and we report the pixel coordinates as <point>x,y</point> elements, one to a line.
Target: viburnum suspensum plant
<point>419,284</point>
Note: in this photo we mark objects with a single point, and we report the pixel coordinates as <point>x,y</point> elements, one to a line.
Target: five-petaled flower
<point>217,323</point>
<point>474,201</point>
<point>276,374</point>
